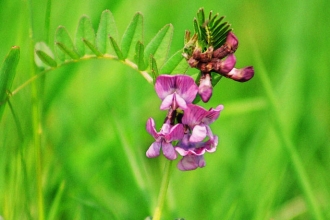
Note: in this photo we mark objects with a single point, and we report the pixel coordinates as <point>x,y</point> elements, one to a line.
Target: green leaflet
<point>107,27</point>
<point>175,64</point>
<point>43,56</point>
<point>132,35</point>
<point>64,45</point>
<point>116,48</point>
<point>159,46</point>
<point>153,68</point>
<point>139,55</point>
<point>85,32</point>
<point>7,75</point>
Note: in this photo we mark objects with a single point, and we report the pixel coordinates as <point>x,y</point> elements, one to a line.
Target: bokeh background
<point>94,113</point>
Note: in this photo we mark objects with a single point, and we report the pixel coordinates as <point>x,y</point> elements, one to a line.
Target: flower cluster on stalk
<point>187,124</point>
<point>186,129</point>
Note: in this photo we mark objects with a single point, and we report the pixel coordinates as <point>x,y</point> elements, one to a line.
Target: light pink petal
<point>241,75</point>
<point>186,87</point>
<point>198,133</point>
<point>201,161</point>
<point>168,151</point>
<point>167,102</point>
<point>180,102</point>
<point>182,151</point>
<point>153,150</point>
<point>165,85</point>
<point>151,128</point>
<point>176,133</point>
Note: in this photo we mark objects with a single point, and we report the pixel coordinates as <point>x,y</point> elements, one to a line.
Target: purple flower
<point>193,152</point>
<point>224,66</point>
<point>164,138</point>
<point>205,87</point>
<point>230,46</point>
<point>198,119</point>
<point>175,91</point>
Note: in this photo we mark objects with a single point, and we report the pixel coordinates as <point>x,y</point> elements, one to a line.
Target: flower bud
<point>205,87</point>
<point>241,75</point>
<point>224,66</point>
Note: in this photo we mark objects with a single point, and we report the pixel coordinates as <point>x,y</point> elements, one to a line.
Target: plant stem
<point>163,190</point>
<point>286,140</point>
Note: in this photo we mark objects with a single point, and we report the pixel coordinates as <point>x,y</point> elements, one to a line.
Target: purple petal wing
<point>153,150</point>
<point>189,162</point>
<point>198,133</point>
<point>212,115</point>
<point>165,85</point>
<point>151,128</point>
<point>186,88</point>
<point>180,102</point>
<point>168,151</point>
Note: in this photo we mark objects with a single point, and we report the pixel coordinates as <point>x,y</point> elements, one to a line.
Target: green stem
<point>163,190</point>
<point>286,141</point>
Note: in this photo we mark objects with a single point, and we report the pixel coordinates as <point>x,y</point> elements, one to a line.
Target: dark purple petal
<point>193,115</point>
<point>153,150</point>
<point>224,66</point>
<point>176,133</point>
<point>241,75</point>
<point>151,128</point>
<point>186,87</point>
<point>165,85</point>
<point>168,151</point>
<point>212,115</point>
<point>205,87</point>
<point>198,133</point>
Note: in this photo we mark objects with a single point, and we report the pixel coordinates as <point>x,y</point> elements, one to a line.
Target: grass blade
<point>7,75</point>
<point>107,27</point>
<point>132,35</point>
<point>159,46</point>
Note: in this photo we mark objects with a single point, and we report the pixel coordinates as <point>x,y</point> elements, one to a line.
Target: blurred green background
<point>93,140</point>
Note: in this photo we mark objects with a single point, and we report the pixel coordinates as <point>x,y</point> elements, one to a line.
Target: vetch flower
<point>205,87</point>
<point>164,138</point>
<point>193,152</point>
<point>229,47</point>
<point>175,91</point>
<point>198,120</point>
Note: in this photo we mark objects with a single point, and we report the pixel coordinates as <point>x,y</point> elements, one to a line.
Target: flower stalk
<point>163,190</point>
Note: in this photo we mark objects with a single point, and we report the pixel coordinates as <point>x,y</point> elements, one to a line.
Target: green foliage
<point>7,75</point>
<point>211,31</point>
<point>132,50</point>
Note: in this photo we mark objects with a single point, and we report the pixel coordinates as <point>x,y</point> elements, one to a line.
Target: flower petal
<point>176,133</point>
<point>180,102</point>
<point>151,128</point>
<point>186,87</point>
<point>153,150</point>
<point>167,102</point>
<point>189,162</point>
<point>212,115</point>
<point>241,75</point>
<point>165,85</point>
<point>193,115</point>
<point>168,151</point>
<point>198,133</point>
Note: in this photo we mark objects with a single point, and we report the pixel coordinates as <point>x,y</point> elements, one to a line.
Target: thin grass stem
<point>287,143</point>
